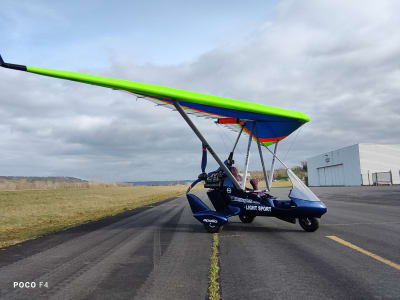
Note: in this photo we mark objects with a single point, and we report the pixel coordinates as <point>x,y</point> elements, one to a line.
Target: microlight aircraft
<point>265,125</point>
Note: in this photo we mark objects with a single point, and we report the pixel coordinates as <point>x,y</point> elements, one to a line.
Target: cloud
<point>337,61</point>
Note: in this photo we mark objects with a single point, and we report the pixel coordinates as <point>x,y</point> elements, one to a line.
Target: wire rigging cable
<point>291,144</point>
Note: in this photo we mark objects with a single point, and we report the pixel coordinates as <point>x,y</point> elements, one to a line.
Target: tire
<point>212,228</point>
<point>309,224</point>
<point>246,218</point>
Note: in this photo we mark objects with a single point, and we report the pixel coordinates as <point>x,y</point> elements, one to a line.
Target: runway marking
<point>370,223</point>
<point>229,235</point>
<point>213,287</point>
<point>370,254</point>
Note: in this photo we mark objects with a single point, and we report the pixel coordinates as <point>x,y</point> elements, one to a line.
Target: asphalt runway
<point>271,259</point>
<point>162,252</point>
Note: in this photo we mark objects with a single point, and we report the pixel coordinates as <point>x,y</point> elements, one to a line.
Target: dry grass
<point>280,179</point>
<point>24,184</point>
<point>275,183</point>
<point>27,214</point>
<point>281,183</point>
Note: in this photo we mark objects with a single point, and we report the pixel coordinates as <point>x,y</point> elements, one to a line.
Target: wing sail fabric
<point>273,123</point>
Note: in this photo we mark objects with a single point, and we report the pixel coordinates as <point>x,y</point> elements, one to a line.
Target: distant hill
<point>53,179</point>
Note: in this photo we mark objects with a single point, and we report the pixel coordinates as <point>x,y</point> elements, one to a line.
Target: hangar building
<point>359,164</point>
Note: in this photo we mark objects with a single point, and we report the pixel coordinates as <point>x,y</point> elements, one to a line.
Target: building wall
<point>338,167</point>
<point>379,158</point>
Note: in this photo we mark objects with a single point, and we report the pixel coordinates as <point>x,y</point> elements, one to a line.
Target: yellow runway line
<point>370,254</point>
<point>213,286</point>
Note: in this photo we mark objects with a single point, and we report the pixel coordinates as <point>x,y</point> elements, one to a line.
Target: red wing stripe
<point>272,139</point>
<point>228,121</point>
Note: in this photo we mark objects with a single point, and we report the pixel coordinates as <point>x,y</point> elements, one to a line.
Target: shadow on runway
<point>199,228</point>
<point>239,227</point>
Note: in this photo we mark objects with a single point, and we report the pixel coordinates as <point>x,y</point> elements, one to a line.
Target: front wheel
<point>246,218</point>
<point>309,224</point>
<point>211,228</point>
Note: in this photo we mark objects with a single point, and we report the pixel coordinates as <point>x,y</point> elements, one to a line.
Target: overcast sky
<point>337,61</point>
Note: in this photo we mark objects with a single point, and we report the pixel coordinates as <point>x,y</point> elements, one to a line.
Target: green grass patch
<point>28,214</point>
<point>275,183</point>
<point>213,288</point>
<point>281,183</point>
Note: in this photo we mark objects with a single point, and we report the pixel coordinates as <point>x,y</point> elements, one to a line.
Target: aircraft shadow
<point>239,227</point>
<point>198,228</point>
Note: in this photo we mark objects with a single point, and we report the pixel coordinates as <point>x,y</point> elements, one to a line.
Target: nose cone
<point>310,208</point>
<point>322,208</point>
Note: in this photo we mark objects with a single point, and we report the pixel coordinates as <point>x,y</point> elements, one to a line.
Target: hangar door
<point>332,175</point>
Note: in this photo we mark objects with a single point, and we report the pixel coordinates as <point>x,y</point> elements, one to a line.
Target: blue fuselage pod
<point>203,213</point>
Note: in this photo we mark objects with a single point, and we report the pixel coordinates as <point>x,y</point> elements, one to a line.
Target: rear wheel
<point>309,224</point>
<point>246,218</point>
<point>211,228</point>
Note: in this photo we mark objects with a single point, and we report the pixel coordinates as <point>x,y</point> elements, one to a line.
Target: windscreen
<point>300,190</point>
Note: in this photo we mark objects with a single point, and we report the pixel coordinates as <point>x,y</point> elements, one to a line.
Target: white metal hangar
<point>359,164</point>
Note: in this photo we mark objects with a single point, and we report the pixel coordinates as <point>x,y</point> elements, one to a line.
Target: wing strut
<point>246,167</point>
<point>271,173</point>
<point>237,140</point>
<point>262,162</point>
<point>205,143</point>
<point>230,158</point>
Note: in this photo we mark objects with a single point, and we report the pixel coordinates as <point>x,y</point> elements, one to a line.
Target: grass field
<point>29,210</point>
<point>27,214</point>
<point>276,183</point>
